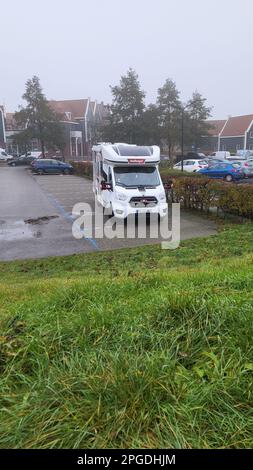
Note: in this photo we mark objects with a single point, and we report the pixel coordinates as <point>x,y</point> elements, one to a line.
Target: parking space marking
<point>69,218</point>
<point>57,189</point>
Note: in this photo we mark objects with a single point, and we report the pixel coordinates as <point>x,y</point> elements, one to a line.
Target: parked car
<point>221,154</point>
<point>4,156</point>
<point>245,154</point>
<point>246,166</point>
<point>214,161</point>
<point>236,159</point>
<point>32,154</point>
<point>195,155</point>
<point>24,160</point>
<point>50,166</point>
<point>191,165</point>
<point>226,171</point>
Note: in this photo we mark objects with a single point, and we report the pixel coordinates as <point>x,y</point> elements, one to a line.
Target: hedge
<point>204,194</point>
<point>83,168</point>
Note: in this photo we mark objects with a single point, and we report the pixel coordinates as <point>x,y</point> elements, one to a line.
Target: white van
<point>126,179</point>
<point>32,154</point>
<point>4,156</point>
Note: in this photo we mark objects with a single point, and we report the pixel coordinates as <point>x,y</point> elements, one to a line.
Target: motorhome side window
<point>102,172</point>
<point>110,176</point>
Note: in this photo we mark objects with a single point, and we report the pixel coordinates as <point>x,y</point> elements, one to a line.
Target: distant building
<point>81,120</point>
<point>235,133</point>
<point>211,142</point>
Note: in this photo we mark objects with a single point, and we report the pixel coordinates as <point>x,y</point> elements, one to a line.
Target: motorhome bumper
<point>124,212</point>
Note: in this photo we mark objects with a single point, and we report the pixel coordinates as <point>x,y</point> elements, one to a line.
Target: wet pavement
<point>36,217</point>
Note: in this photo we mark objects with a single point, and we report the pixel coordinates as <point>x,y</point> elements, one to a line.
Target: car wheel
<point>13,164</point>
<point>229,178</point>
<point>66,172</point>
<point>40,172</point>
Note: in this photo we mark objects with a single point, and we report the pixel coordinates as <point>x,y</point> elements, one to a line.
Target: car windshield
<point>132,177</point>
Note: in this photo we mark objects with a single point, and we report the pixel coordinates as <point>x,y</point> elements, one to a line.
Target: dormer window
<point>68,115</point>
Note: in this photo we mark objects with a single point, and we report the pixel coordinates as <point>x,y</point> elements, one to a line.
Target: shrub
<point>203,193</point>
<point>84,168</point>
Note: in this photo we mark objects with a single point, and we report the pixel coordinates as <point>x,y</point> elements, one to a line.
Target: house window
<point>251,134</point>
<point>223,147</point>
<point>238,147</point>
<point>251,147</point>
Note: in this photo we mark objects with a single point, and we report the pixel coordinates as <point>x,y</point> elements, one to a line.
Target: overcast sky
<point>80,47</point>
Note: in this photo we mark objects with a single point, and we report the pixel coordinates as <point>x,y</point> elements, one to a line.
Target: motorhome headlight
<point>121,196</point>
<point>162,197</point>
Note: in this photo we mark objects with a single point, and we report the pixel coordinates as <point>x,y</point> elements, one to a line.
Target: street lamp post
<point>182,140</point>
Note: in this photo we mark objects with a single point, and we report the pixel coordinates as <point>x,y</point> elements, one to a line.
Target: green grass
<point>138,348</point>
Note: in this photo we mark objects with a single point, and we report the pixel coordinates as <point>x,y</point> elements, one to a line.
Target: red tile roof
<point>237,125</point>
<point>76,108</point>
<point>216,128</point>
<point>10,123</point>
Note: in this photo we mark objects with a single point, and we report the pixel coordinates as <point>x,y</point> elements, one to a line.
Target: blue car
<point>50,166</point>
<point>226,171</point>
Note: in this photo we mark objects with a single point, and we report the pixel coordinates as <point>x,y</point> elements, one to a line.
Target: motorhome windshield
<point>132,177</point>
<point>133,150</point>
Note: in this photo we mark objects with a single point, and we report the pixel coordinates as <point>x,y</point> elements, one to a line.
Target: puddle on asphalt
<point>22,229</point>
<point>41,220</point>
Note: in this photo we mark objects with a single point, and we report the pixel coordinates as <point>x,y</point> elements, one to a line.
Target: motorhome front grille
<point>143,201</point>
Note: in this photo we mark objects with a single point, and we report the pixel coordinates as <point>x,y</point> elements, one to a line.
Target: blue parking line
<point>68,217</point>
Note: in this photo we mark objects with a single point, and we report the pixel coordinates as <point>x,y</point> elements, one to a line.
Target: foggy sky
<point>80,47</point>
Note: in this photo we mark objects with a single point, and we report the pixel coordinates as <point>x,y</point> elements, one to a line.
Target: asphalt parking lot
<point>36,217</point>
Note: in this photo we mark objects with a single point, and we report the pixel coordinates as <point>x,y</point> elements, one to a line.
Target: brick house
<point>80,120</point>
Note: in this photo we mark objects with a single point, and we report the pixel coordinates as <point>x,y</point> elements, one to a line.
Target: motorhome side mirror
<point>168,185</point>
<point>106,186</point>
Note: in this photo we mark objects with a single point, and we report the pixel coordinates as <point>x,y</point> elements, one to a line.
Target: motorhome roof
<point>128,153</point>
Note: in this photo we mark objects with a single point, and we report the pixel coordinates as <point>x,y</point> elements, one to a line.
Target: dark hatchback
<point>50,166</point>
<point>21,161</point>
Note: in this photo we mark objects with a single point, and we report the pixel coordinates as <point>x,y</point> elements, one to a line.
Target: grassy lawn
<point>137,348</point>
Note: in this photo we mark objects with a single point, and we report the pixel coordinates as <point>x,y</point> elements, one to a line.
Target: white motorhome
<point>126,179</point>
